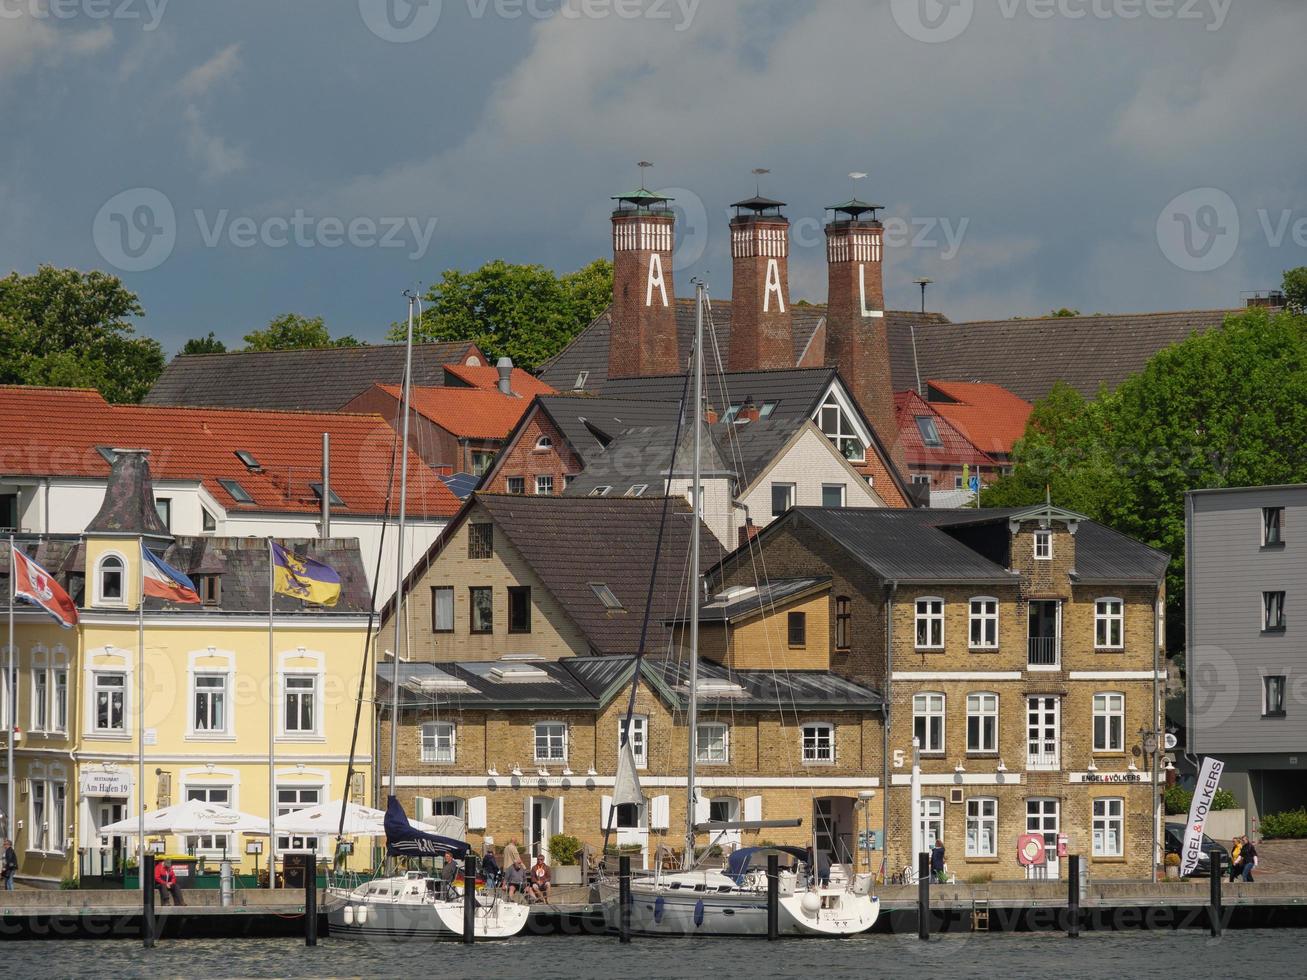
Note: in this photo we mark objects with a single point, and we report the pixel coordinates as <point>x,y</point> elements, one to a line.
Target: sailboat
<point>699,901</point>
<point>414,905</point>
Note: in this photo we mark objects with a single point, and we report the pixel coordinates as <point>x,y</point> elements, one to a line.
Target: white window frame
<point>840,488</point>
<point>982,816</point>
<point>38,819</point>
<point>980,613</point>
<point>59,700</point>
<point>8,688</point>
<point>791,496</point>
<point>1108,826</point>
<point>549,737</point>
<point>705,756</point>
<point>298,842</point>
<point>97,580</point>
<point>930,820</point>
<point>983,706</point>
<point>209,845</point>
<point>1106,617</point>
<point>928,609</point>
<point>544,485</point>
<point>1112,708</point>
<point>508,485</point>
<point>845,427</point>
<point>430,736</point>
<point>812,734</point>
<point>315,703</point>
<point>223,692</point>
<point>40,720</point>
<point>544,443</point>
<point>97,675</point>
<point>639,736</point>
<point>1043,544</point>
<point>930,707</point>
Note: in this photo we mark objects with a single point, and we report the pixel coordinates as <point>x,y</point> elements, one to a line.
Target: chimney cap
<point>641,200</point>
<point>758,204</point>
<point>855,209</point>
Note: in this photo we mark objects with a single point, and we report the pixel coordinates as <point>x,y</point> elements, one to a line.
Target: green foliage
<point>1289,824</point>
<point>1177,800</point>
<point>70,884</point>
<point>1227,408</point>
<point>204,345</point>
<point>1295,289</point>
<point>564,849</point>
<point>70,328</point>
<point>523,311</point>
<point>290,331</point>
<point>1064,312</point>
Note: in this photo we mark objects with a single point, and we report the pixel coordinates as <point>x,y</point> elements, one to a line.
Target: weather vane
<point>643,165</point>
<point>856,176</point>
<point>757,179</point>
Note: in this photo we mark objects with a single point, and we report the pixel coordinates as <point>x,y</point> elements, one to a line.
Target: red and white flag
<point>34,584</point>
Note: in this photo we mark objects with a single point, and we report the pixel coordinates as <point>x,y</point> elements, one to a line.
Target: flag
<point>34,584</point>
<point>303,578</point>
<point>404,840</point>
<point>1209,778</point>
<point>162,581</point>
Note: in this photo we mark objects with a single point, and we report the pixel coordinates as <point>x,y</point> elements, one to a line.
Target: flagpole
<point>140,716</point>
<point>272,733</point>
<point>9,688</point>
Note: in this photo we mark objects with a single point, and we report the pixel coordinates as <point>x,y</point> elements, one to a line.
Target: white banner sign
<point>115,783</point>
<point>1209,778</point>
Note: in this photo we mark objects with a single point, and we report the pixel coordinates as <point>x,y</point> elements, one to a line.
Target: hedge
<point>1178,800</point>
<point>1290,823</point>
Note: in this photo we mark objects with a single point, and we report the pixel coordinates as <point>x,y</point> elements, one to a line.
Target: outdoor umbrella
<point>191,817</point>
<point>324,820</point>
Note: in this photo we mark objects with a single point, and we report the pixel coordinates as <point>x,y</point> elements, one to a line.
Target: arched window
<point>111,580</point>
<point>543,443</point>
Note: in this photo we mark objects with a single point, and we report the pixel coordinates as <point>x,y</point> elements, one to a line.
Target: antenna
<point>643,165</point>
<point>757,179</point>
<point>923,283</point>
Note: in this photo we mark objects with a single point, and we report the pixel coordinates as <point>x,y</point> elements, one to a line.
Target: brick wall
<point>524,459</point>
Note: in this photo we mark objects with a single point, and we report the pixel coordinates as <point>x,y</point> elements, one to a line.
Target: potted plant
<point>565,856</point>
<point>1172,863</point>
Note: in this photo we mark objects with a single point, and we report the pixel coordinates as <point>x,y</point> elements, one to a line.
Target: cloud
<point>222,66</point>
<point>27,41</point>
<point>217,157</point>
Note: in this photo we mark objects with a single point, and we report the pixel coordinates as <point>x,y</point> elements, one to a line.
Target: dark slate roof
<point>570,542</point>
<point>739,603</point>
<point>589,422</point>
<point>592,682</point>
<point>1104,554</point>
<point>1028,356</point>
<point>796,391</point>
<point>321,380</point>
<point>128,506</point>
<point>643,457</point>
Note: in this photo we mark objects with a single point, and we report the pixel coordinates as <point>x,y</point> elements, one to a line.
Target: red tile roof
<point>469,413</point>
<point>955,448</point>
<point>523,382</point>
<point>55,432</point>
<point>988,414</point>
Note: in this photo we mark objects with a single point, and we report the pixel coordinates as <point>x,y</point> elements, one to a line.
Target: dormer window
<point>543,444</point>
<point>1044,544</point>
<point>210,589</point>
<point>110,577</point>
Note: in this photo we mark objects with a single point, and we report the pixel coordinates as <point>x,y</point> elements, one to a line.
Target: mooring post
<point>147,901</point>
<point>1214,904</point>
<point>1073,896</point>
<point>624,898</point>
<point>311,900</point>
<point>773,896</point>
<point>469,900</point>
<point>923,895</point>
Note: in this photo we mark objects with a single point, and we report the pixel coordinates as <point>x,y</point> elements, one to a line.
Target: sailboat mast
<point>696,491</point>
<point>406,393</point>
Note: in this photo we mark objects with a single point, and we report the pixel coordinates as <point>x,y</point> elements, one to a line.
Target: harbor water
<point>1265,954</point>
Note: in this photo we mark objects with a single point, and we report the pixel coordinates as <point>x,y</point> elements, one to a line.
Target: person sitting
<point>165,880</point>
<point>515,877</point>
<point>539,886</point>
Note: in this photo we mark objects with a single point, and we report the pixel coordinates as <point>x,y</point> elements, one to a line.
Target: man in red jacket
<point>165,879</point>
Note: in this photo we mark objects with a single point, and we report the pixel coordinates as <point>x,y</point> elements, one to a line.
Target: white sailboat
<point>695,901</point>
<point>414,905</point>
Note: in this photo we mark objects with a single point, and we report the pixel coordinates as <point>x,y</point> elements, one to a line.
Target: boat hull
<point>426,921</point>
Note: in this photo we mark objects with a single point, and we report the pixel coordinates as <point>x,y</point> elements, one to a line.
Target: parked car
<point>1175,845</point>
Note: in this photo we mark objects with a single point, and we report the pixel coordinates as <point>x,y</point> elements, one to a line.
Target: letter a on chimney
<point>773,288</point>
<point>655,279</point>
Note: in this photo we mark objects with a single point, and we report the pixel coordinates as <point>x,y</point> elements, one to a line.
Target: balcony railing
<point>1044,651</point>
<point>1043,760</point>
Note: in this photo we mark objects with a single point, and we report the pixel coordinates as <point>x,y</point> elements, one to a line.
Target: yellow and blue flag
<point>303,578</point>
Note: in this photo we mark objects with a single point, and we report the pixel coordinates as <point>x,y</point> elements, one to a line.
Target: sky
<point>233,160</point>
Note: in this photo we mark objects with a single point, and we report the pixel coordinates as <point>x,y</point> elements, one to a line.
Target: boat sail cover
<point>405,840</point>
<point>626,786</point>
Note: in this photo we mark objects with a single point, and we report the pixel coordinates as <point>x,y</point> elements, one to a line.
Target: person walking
<point>10,865</point>
<point>1249,857</point>
<point>1236,858</point>
<point>937,866</point>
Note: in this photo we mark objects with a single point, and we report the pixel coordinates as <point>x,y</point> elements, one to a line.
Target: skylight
<point>335,500</point>
<point>581,379</point>
<point>605,595</point>
<point>637,490</point>
<point>929,432</point>
<point>436,682</point>
<point>250,462</point>
<point>600,491</point>
<point>238,492</point>
<point>518,673</point>
<point>767,409</point>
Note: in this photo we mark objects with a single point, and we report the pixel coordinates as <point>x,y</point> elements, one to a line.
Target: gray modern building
<point>1246,649</point>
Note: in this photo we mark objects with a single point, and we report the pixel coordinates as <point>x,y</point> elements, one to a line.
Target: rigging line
<point>369,639</point>
<point>649,598</point>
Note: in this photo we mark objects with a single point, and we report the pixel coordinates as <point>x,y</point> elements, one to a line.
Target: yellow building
<point>212,686</point>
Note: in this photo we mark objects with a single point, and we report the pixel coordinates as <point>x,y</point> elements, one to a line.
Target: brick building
<point>1020,647</point>
<point>938,455</point>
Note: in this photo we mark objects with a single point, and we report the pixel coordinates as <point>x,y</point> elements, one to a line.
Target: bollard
<point>311,900</point>
<point>147,901</point>
<point>469,899</point>
<point>773,896</point>
<point>923,895</point>
<point>1073,896</point>
<point>624,898</point>
<point>227,884</point>
<point>1214,906</point>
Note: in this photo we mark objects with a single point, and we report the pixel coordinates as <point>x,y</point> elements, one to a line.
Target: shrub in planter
<point>564,849</point>
<point>1289,824</point>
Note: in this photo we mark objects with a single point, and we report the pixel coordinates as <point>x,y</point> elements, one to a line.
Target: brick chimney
<point>748,412</point>
<point>762,335</point>
<point>856,340</point>
<point>642,340</point>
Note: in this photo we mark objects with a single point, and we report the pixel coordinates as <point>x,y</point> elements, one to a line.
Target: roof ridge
<point>1096,316</point>
<point>62,388</point>
<point>301,350</point>
<point>242,410</point>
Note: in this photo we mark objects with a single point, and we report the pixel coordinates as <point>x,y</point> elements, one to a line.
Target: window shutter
<point>476,813</point>
<point>605,812</point>
<point>702,810</point>
<point>660,813</point>
<point>753,808</point>
<point>558,821</point>
<point>422,807</point>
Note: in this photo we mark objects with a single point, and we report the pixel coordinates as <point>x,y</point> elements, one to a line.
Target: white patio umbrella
<point>191,817</point>
<point>324,820</point>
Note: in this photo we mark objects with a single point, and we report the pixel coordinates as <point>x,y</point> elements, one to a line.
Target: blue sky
<point>320,157</point>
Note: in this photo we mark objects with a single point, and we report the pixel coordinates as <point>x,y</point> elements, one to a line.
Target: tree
<point>67,327</point>
<point>1064,312</point>
<point>1295,289</point>
<point>204,345</point>
<point>523,311</point>
<point>290,331</point>
<point>1222,409</point>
